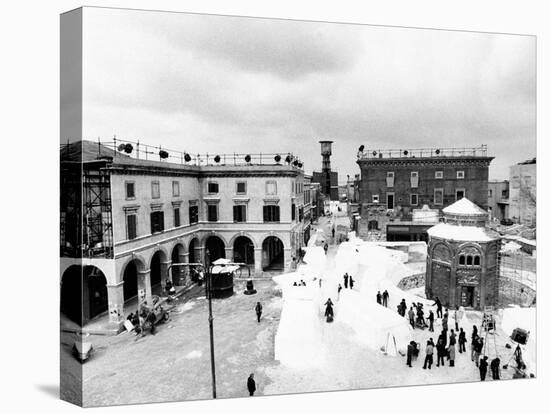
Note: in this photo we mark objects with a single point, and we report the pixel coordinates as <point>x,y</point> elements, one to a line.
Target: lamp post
<point>208,268</point>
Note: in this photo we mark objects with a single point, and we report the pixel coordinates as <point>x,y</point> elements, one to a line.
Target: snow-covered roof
<point>464,207</point>
<point>461,233</point>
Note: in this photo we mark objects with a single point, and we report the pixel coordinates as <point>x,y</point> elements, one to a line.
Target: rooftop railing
<point>480,151</point>
<point>141,151</point>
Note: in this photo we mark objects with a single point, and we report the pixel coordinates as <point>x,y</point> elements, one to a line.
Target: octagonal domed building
<point>462,266</point>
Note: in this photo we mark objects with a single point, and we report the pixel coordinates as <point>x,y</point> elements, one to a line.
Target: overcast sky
<point>226,84</point>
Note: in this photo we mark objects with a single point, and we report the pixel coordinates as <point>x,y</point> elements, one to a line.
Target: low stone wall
<point>512,292</point>
<point>412,282</point>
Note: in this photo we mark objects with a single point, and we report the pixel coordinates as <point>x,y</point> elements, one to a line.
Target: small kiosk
<point>223,273</point>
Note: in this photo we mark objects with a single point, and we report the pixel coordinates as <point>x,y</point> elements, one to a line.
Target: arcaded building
<point>462,265</point>
<point>129,214</point>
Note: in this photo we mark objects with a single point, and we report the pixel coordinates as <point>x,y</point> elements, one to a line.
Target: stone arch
<point>214,246</point>
<point>177,256</point>
<point>241,234</point>
<point>243,249</point>
<point>273,253</point>
<point>193,245</point>
<point>442,251</point>
<point>130,276</point>
<point>470,250</point>
<point>83,293</point>
<point>157,266</point>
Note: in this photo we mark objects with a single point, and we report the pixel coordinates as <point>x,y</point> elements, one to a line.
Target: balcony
<point>369,154</point>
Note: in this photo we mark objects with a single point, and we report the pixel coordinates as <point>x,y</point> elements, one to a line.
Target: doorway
<point>467,296</point>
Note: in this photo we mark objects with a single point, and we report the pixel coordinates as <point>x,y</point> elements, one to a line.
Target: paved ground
<point>174,364</point>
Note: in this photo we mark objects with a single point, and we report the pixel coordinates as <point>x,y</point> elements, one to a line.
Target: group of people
<point>302,283</point>
<point>348,281</point>
<point>382,298</point>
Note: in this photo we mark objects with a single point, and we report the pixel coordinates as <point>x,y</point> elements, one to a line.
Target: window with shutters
<point>271,213</point>
<point>414,179</point>
<point>239,213</point>
<point>177,221</point>
<point>155,189</point>
<point>193,214</point>
<point>212,212</point>
<point>157,221</point>
<point>130,190</point>
<point>213,188</point>
<point>390,175</point>
<point>131,226</point>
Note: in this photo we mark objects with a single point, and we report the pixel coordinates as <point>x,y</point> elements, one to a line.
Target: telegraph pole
<point>208,268</point>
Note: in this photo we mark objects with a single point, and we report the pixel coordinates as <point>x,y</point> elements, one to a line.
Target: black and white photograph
<point>254,206</point>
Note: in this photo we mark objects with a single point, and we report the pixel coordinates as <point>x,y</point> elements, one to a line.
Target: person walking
<point>440,350</point>
<point>452,338</point>
<point>483,368</point>
<point>428,361</point>
<point>346,277</point>
<point>410,351</point>
<point>431,320</point>
<point>411,317</point>
<point>461,341</point>
<point>351,282</point>
<point>451,352</point>
<point>403,305</point>
<point>477,351</point>
<point>259,309</point>
<point>251,385</point>
<point>495,368</point>
<point>385,297</point>
<point>379,298</point>
<point>339,290</point>
<point>445,323</point>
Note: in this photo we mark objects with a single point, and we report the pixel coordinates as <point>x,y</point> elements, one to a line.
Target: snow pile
<point>460,233</point>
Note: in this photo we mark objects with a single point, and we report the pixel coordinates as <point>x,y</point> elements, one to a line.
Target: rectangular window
<point>389,179</point>
<point>390,198</point>
<point>414,199</point>
<point>439,175</point>
<point>239,213</point>
<point>130,190</point>
<point>414,179</point>
<point>193,214</point>
<point>460,175</point>
<point>155,189</point>
<point>271,187</point>
<point>460,193</point>
<point>241,188</point>
<point>293,212</point>
<point>131,226</point>
<point>271,213</point>
<point>490,192</point>
<point>157,221</point>
<point>375,198</point>
<point>175,188</point>
<point>504,194</point>
<point>212,212</point>
<point>177,221</point>
<point>438,196</point>
<point>213,188</point>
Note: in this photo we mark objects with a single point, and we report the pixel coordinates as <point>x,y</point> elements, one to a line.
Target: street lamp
<point>208,286</point>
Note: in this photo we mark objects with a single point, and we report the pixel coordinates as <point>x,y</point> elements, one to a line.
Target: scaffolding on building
<point>517,277</point>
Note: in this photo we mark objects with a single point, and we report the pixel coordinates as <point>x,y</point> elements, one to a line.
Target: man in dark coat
<point>440,348</point>
<point>379,298</point>
<point>495,368</point>
<point>346,280</point>
<point>411,317</point>
<point>259,309</point>
<point>410,351</point>
<point>461,341</point>
<point>428,361</point>
<point>452,338</point>
<point>385,297</point>
<point>251,385</point>
<point>439,307</point>
<point>431,319</point>
<point>403,307</point>
<point>483,368</point>
<point>351,282</point>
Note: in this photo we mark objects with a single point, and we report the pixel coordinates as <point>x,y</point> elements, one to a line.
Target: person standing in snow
<point>483,368</point>
<point>461,341</point>
<point>440,348</point>
<point>431,320</point>
<point>403,305</point>
<point>385,297</point>
<point>445,323</point>
<point>477,350</point>
<point>351,282</point>
<point>346,280</point>
<point>439,307</point>
<point>379,298</point>
<point>428,361</point>
<point>452,338</point>
<point>411,317</point>
<point>325,247</point>
<point>495,368</point>
<point>410,351</point>
<point>451,352</point>
<point>339,289</point>
<point>251,385</point>
<point>456,318</point>
<point>259,310</point>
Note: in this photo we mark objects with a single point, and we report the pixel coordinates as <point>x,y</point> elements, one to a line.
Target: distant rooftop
<point>404,153</point>
<point>531,161</point>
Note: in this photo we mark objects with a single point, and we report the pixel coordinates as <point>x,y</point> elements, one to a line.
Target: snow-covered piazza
<point>292,348</point>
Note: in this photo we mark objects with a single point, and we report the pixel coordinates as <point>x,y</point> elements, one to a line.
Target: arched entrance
<point>193,257</point>
<point>83,293</point>
<point>243,250</point>
<point>130,278</point>
<point>273,254</point>
<point>178,272</point>
<point>215,247</point>
<point>156,272</point>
